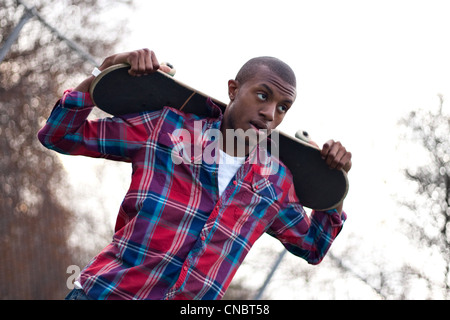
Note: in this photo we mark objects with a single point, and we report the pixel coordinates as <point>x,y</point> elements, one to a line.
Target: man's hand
<point>336,156</point>
<point>142,62</point>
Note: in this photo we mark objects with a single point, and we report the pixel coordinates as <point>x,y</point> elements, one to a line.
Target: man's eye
<point>282,109</point>
<point>262,96</point>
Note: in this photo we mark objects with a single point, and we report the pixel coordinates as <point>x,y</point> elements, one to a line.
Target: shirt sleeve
<point>309,237</point>
<point>68,130</point>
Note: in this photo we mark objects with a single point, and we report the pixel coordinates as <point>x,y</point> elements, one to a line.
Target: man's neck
<point>234,147</point>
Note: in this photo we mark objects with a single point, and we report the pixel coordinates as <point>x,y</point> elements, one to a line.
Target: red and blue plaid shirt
<point>175,237</point>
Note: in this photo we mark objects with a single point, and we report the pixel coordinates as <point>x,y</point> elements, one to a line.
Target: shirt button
<point>235,182</point>
<point>185,268</point>
<point>203,238</point>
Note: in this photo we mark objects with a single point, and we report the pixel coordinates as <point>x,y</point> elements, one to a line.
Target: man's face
<point>259,104</point>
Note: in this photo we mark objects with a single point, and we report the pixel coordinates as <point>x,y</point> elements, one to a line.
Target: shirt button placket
<point>182,277</point>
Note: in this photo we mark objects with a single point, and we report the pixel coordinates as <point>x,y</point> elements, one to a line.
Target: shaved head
<point>275,65</point>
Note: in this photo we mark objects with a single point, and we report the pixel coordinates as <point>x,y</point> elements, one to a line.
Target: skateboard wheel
<point>172,69</point>
<point>303,135</point>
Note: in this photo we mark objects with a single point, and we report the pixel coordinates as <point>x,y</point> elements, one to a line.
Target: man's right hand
<point>142,62</point>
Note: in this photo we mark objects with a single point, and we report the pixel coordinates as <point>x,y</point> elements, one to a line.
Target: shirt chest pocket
<point>264,188</point>
<point>174,170</point>
<point>259,200</point>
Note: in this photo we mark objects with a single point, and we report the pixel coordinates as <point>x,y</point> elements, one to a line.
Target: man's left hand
<point>336,156</point>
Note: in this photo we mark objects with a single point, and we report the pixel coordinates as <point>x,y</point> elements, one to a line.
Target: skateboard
<point>116,92</point>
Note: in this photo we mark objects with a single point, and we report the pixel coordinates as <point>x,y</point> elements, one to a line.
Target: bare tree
<point>34,223</point>
<point>428,224</point>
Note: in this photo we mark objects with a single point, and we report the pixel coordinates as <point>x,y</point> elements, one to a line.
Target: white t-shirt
<point>228,166</point>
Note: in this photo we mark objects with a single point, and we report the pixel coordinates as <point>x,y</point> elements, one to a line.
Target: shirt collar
<point>216,107</point>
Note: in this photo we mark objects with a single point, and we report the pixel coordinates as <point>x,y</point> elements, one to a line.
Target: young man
<point>183,229</point>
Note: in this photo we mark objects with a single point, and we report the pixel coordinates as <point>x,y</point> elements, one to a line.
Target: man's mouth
<point>259,126</point>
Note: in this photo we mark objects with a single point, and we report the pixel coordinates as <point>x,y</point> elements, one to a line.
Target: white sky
<point>360,66</point>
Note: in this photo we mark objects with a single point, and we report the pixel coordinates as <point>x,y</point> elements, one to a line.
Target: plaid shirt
<point>175,237</point>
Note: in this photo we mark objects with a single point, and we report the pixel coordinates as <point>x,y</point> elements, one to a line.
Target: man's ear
<point>233,88</point>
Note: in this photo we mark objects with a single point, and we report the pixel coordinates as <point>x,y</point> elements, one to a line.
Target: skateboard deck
<point>116,92</point>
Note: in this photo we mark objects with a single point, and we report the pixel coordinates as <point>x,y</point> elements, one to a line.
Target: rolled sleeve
<point>76,100</point>
<point>68,130</point>
<point>337,219</point>
<point>309,237</point>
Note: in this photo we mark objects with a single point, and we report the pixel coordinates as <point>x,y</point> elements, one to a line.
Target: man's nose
<point>268,111</point>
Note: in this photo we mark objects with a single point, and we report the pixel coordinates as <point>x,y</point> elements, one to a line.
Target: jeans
<point>77,294</point>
